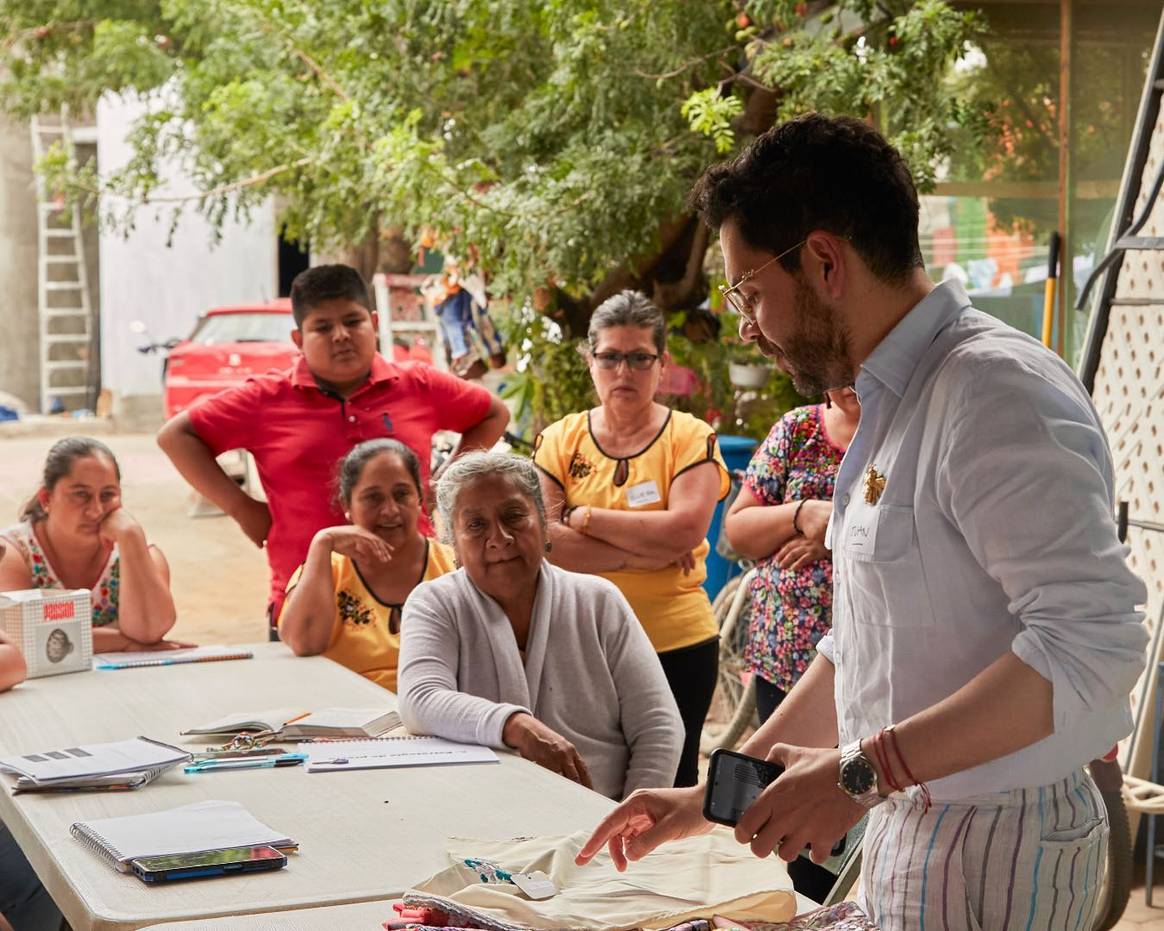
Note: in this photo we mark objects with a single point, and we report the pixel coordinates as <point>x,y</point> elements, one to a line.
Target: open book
<point>121,764</point>
<point>294,724</point>
<point>197,828</point>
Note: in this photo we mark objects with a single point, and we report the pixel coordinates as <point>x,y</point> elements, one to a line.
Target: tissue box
<point>53,629</point>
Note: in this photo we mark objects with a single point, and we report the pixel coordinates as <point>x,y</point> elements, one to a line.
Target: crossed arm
<point>616,540</point>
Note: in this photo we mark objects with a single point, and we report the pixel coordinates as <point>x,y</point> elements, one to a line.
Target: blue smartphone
<point>208,863</point>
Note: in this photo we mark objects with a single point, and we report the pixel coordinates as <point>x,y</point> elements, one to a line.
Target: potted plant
<point>746,367</point>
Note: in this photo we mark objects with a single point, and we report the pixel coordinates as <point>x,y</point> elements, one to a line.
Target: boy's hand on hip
<point>254,517</point>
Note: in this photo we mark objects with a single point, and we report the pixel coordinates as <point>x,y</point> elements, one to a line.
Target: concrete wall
<point>19,369</point>
<point>167,286</point>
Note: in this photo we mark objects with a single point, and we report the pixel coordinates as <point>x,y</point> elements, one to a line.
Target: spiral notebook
<point>196,828</point>
<point>70,767</point>
<point>332,756</point>
<point>137,660</point>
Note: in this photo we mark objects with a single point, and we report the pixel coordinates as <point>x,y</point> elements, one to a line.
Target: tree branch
<point>325,78</point>
<point>230,188</point>
<point>317,69</point>
<point>691,63</point>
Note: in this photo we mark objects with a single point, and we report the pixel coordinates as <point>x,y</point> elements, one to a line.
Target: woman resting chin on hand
<point>74,533</point>
<point>346,598</point>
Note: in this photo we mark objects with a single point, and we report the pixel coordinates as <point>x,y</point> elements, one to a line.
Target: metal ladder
<point>1125,225</point>
<point>63,305</point>
<point>1132,402</point>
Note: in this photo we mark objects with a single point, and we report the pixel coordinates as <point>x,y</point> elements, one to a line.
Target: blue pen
<point>209,766</point>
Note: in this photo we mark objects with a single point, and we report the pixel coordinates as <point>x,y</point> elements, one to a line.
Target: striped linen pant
<point>1024,860</point>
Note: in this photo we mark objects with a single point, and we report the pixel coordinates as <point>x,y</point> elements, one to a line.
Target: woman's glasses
<point>639,361</point>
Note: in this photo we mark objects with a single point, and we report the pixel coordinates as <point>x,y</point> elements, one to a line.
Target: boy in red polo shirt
<point>299,423</point>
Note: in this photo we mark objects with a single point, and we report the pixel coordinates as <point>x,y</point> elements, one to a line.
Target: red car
<point>228,345</point>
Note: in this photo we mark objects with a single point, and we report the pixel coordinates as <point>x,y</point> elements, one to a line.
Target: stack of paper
<point>124,764</point>
<point>199,828</point>
<point>293,724</point>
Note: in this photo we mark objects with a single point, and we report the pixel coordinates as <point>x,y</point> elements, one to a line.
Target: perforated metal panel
<point>1129,394</point>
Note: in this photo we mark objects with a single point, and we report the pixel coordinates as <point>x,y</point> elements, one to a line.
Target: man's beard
<point>816,353</point>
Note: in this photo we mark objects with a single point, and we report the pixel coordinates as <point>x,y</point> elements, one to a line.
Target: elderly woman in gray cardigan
<point>512,652</point>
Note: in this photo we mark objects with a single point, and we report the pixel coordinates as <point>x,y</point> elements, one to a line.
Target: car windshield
<point>216,329</point>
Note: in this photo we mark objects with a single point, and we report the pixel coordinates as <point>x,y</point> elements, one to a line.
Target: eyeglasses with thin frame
<point>735,300</point>
<point>638,361</point>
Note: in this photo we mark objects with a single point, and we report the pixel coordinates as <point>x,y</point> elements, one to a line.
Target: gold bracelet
<point>586,520</point>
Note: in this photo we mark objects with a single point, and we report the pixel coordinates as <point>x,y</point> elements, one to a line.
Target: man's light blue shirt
<point>993,532</point>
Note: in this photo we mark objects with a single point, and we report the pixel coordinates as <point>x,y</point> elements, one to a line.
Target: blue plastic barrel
<point>737,452</point>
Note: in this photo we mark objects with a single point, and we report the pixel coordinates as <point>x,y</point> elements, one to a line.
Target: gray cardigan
<point>590,674</point>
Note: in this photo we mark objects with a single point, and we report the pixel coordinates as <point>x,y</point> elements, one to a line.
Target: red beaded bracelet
<point>881,757</point>
<point>925,791</point>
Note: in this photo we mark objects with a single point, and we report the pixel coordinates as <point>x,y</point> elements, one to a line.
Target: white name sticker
<point>638,496</point>
<point>861,530</point>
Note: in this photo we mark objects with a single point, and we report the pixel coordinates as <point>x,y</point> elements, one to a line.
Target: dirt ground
<point>219,578</point>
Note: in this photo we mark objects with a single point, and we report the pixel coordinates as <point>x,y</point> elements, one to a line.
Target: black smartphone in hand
<point>734,781</point>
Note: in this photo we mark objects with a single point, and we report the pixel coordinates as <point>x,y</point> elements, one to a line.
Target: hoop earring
<point>549,546</point>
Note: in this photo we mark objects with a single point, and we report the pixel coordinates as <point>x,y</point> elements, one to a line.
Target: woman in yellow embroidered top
<point>345,600</point>
<point>633,486</point>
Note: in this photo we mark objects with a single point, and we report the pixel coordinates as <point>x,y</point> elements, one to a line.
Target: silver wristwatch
<point>858,777</point>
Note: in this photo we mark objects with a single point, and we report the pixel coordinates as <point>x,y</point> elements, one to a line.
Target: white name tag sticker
<point>642,494</point>
<point>861,530</point>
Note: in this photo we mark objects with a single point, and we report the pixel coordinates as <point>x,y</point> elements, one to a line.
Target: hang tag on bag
<point>537,885</point>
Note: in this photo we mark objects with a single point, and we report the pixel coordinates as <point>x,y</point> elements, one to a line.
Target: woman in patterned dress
<point>74,533</point>
<point>779,520</point>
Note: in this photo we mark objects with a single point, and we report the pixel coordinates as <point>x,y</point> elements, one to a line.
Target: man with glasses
<point>985,628</point>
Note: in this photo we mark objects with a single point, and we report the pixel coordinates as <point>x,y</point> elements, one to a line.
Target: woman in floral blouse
<point>779,520</point>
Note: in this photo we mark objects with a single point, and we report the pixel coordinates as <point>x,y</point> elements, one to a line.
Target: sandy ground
<point>219,578</point>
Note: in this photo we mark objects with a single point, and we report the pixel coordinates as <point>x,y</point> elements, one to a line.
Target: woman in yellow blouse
<point>345,600</point>
<point>632,485</point>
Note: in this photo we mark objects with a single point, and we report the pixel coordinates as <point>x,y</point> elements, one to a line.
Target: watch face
<point>858,776</point>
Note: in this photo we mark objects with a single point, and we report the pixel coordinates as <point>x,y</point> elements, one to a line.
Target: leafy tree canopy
<point>554,140</point>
